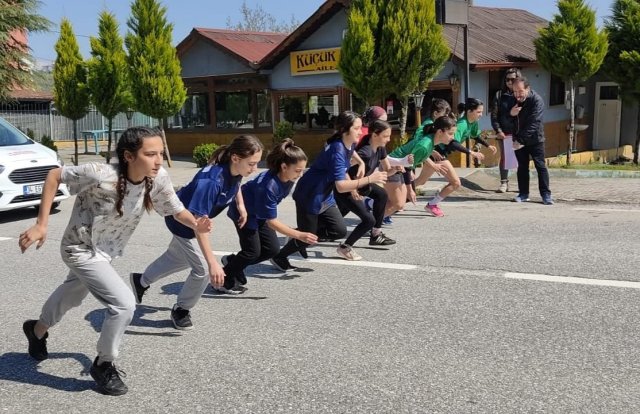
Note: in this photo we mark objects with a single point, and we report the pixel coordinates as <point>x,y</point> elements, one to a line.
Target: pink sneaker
<point>434,209</point>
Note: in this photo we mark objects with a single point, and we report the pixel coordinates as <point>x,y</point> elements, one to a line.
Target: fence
<point>42,120</point>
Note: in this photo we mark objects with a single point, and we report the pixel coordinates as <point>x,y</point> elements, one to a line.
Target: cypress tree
<point>154,68</point>
<point>15,60</point>
<point>107,77</point>
<point>623,59</point>
<point>392,47</point>
<point>360,47</point>
<point>572,48</point>
<point>70,80</point>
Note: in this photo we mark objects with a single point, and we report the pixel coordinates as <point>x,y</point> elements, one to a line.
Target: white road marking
<point>608,210</point>
<point>361,263</point>
<point>573,280</point>
<point>5,238</point>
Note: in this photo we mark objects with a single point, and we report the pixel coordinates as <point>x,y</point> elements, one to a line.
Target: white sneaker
<point>504,187</point>
<point>347,253</point>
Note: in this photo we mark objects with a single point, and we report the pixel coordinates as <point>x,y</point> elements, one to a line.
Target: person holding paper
<point>504,126</point>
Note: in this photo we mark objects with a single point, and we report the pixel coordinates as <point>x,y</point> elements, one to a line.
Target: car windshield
<point>10,135</point>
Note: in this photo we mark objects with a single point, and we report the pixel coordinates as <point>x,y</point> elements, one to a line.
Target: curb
<point>565,173</point>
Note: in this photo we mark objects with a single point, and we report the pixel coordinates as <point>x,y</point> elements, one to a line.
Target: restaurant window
<point>195,111</point>
<point>557,91</point>
<point>309,111</point>
<point>264,108</point>
<point>233,110</point>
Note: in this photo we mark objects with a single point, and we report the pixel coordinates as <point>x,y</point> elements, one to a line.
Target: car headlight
<point>59,160</point>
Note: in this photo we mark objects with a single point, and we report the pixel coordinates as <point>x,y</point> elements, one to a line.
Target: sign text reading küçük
<point>312,62</point>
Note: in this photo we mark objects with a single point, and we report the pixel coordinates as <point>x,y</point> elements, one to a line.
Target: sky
<point>187,14</point>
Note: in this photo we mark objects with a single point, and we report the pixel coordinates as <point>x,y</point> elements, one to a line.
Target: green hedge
<point>202,153</point>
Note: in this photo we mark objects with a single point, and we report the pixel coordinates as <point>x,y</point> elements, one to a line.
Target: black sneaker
<point>107,376</point>
<point>181,318</point>
<point>37,347</point>
<point>381,240</point>
<point>138,289</point>
<point>236,290</point>
<point>282,264</point>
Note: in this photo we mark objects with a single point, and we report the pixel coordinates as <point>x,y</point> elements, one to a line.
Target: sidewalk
<point>477,183</point>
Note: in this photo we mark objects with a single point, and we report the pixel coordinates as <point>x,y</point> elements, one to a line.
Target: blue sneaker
<point>547,200</point>
<point>521,198</point>
<point>387,220</point>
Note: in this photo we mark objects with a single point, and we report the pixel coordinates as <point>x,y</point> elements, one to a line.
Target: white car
<point>24,165</point>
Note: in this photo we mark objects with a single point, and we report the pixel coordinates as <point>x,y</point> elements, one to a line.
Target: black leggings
<point>256,246</point>
<point>379,197</point>
<point>327,225</point>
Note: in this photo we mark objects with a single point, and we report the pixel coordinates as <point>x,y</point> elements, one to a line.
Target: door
<point>608,107</point>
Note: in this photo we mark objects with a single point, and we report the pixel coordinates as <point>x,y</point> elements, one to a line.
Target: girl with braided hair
<point>109,203</point>
<point>210,191</point>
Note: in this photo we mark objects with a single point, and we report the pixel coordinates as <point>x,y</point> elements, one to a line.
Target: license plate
<point>32,189</point>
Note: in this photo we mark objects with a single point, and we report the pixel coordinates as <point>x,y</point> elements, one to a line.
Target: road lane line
<point>573,280</point>
<point>606,210</point>
<point>361,263</point>
<point>5,238</point>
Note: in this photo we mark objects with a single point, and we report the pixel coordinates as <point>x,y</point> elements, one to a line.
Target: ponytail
<point>285,152</point>
<point>244,146</point>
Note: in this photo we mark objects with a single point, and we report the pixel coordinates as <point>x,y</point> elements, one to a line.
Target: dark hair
<point>438,105</point>
<point>343,123</point>
<point>510,71</point>
<point>375,127</point>
<point>523,80</point>
<point>284,152</point>
<point>471,104</point>
<point>131,140</point>
<point>444,123</point>
<point>243,146</point>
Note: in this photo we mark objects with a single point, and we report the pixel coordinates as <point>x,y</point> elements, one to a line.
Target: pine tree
<point>70,80</point>
<point>392,47</point>
<point>360,47</point>
<point>17,17</point>
<point>572,48</point>
<point>108,72</point>
<point>623,59</point>
<point>154,68</point>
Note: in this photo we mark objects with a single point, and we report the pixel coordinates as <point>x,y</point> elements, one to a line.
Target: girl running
<point>315,204</point>
<point>466,127</point>
<point>258,239</point>
<point>207,195</point>
<point>441,132</point>
<point>110,201</point>
<point>371,150</point>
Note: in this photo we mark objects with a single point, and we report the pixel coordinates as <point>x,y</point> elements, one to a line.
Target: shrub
<point>202,153</point>
<point>283,130</point>
<point>48,142</point>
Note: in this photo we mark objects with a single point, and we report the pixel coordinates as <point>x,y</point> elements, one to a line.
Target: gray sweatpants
<point>94,275</point>
<point>180,255</point>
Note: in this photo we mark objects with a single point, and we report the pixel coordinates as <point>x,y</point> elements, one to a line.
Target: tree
<point>360,47</point>
<point>400,46</point>
<point>572,48</point>
<point>154,68</point>
<point>70,90</point>
<point>17,17</point>
<point>258,20</point>
<point>107,78</point>
<point>623,59</point>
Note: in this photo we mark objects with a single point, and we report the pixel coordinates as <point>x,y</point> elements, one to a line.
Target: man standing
<point>529,136</point>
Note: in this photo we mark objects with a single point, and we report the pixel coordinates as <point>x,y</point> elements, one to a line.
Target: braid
<point>148,186</point>
<point>121,189</point>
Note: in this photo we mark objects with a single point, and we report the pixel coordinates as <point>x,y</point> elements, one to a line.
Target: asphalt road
<point>446,321</point>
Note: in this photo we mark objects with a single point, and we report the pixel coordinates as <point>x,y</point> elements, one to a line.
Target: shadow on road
<point>20,367</point>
